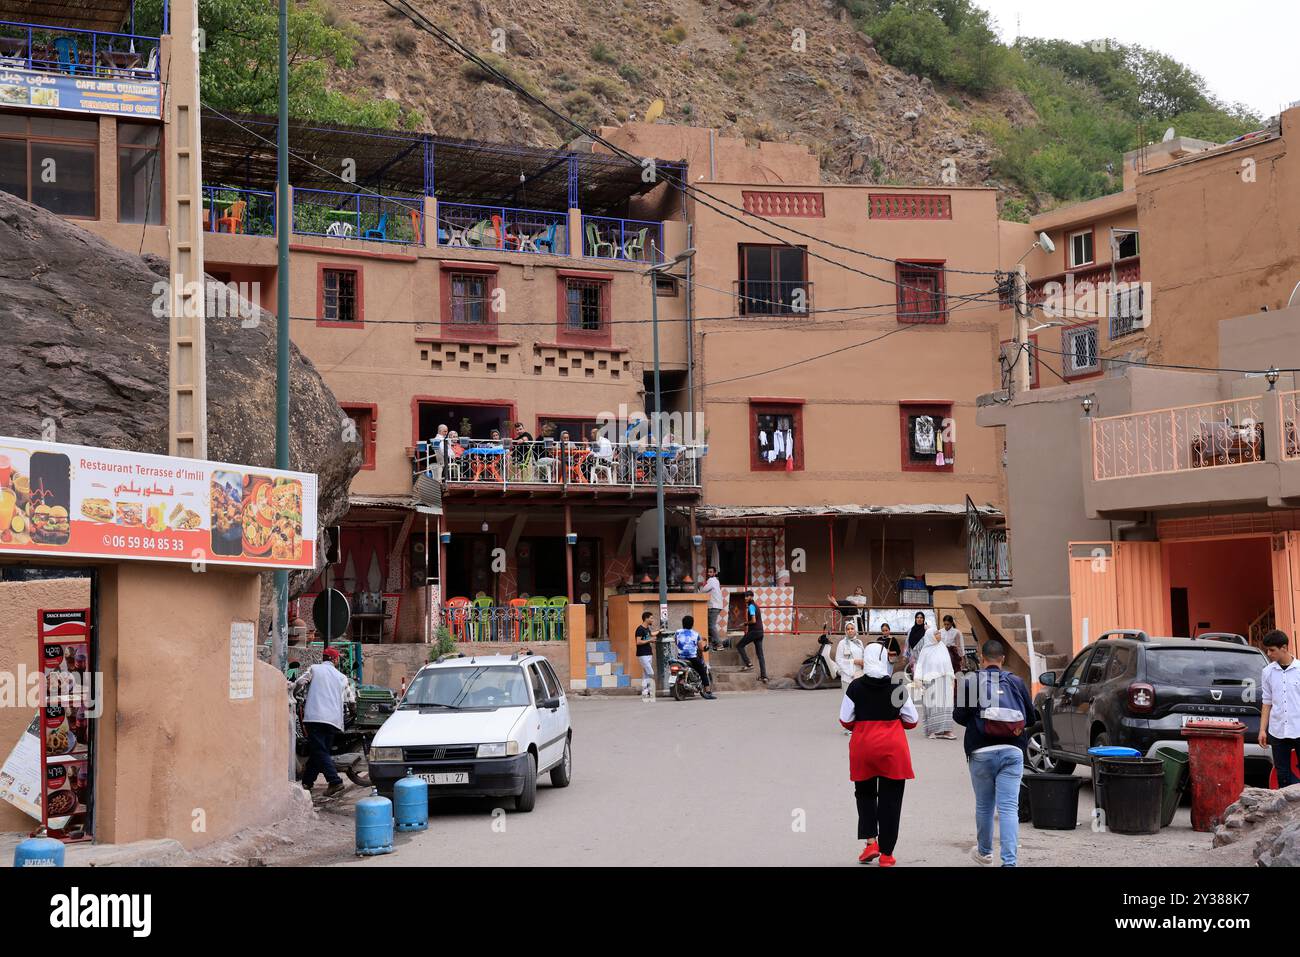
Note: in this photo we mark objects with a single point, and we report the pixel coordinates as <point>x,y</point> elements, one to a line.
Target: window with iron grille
<point>928,436</point>
<point>1080,347</point>
<point>1127,309</point>
<point>339,295</point>
<point>470,300</point>
<point>921,296</point>
<point>586,305</point>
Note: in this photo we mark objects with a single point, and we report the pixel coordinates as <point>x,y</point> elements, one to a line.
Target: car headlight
<point>502,750</point>
<point>385,754</point>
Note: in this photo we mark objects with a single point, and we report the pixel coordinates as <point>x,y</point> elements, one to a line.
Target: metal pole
<point>1020,380</point>
<point>659,461</point>
<point>283,218</point>
<point>694,431</point>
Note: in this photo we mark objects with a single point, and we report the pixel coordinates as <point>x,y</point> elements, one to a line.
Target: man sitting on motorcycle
<point>688,650</point>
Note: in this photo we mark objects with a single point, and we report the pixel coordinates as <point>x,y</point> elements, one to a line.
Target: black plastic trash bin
<point>1054,801</point>
<point>1134,789</point>
<point>1026,806</point>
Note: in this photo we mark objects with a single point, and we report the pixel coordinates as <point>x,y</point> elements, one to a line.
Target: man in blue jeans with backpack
<point>995,707</point>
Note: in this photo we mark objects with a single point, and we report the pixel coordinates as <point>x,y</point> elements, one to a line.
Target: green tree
<point>239,62</point>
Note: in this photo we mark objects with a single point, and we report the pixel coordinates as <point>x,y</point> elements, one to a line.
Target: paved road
<point>729,782</point>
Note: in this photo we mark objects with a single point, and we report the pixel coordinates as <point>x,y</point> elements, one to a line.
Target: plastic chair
<point>535,620</point>
<point>482,618</point>
<point>599,465</point>
<point>557,622</point>
<point>548,240</point>
<point>635,248</point>
<point>380,231</point>
<point>234,218</point>
<point>458,618</point>
<point>65,48</point>
<point>415,226</point>
<point>516,606</point>
<point>595,244</point>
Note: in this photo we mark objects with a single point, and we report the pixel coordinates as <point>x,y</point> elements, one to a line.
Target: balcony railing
<point>78,53</point>
<point>501,227</point>
<point>987,557</point>
<point>1209,435</point>
<point>773,297</point>
<point>247,212</point>
<point>518,621</point>
<point>632,240</point>
<point>381,219</point>
<point>1290,418</point>
<point>555,464</point>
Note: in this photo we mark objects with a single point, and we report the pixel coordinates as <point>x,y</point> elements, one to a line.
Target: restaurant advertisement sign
<point>57,91</point>
<point>81,502</point>
<point>67,722</point>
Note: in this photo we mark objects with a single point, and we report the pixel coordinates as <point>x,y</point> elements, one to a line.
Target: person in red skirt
<point>877,709</point>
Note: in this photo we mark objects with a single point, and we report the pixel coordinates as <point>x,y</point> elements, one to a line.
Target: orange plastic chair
<point>234,217</point>
<point>516,617</point>
<point>577,457</point>
<point>415,225</point>
<point>458,618</point>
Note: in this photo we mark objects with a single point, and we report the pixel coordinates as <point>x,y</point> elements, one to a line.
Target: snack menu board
<point>86,502</point>
<point>66,722</point>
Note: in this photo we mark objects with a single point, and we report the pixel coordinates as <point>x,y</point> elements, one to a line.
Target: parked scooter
<point>683,680</point>
<point>819,667</point>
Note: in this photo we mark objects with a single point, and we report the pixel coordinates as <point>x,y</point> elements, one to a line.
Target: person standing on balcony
<point>713,588</point>
<point>753,636</point>
<point>1279,724</point>
<point>645,655</point>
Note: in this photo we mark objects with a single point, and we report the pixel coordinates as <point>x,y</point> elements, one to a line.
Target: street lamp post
<point>653,272</point>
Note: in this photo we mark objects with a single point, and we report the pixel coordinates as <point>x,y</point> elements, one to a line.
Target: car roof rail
<point>1137,634</point>
<point>1224,636</point>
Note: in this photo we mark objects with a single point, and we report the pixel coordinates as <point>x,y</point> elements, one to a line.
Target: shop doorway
<point>542,566</point>
<point>469,567</point>
<point>1220,584</point>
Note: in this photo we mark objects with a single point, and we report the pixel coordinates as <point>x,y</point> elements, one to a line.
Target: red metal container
<point>1218,769</point>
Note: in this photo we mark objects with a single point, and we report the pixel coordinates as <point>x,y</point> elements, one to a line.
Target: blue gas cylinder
<point>374,824</point>
<point>411,803</point>
<point>39,851</point>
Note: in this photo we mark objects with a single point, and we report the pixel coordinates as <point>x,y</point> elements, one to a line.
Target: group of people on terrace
<point>549,459</point>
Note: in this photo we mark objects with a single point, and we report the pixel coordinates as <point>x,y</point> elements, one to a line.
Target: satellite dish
<point>1045,241</point>
<point>1169,135</point>
<point>655,111</point>
<point>1294,292</point>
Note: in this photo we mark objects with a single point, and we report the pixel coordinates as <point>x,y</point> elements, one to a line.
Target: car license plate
<point>446,777</point>
<point>1195,718</point>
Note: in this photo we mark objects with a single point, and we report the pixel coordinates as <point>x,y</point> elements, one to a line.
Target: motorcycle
<point>683,680</point>
<point>817,668</point>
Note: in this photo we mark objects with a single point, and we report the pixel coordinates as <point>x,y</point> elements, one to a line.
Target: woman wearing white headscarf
<point>877,710</point>
<point>934,671</point>
<point>848,656</point>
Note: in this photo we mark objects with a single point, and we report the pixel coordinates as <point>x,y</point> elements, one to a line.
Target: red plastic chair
<point>516,606</point>
<point>458,618</point>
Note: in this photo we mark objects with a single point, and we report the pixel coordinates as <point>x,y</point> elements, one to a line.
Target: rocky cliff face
<point>85,356</point>
<point>787,70</point>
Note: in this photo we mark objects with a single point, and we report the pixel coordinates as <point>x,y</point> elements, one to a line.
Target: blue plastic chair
<point>380,231</point>
<point>65,48</point>
<point>548,240</point>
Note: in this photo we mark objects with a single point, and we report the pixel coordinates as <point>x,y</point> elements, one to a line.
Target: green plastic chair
<point>557,620</point>
<point>595,244</point>
<point>482,622</point>
<point>636,247</point>
<point>535,621</point>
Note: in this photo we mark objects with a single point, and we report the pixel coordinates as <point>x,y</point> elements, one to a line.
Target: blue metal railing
<point>633,240</point>
<point>383,219</point>
<point>82,53</point>
<point>247,212</point>
<point>502,227</point>
<point>507,623</point>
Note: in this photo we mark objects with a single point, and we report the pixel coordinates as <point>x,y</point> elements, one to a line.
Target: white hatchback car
<point>483,725</point>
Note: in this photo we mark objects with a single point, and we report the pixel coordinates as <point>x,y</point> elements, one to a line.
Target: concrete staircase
<point>994,613</point>
<point>604,670</point>
<point>727,676</point>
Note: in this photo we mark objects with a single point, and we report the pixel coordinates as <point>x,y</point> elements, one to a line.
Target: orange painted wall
<point>1228,581</point>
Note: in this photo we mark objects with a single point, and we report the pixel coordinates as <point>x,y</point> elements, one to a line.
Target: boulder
<point>87,355</point>
<point>1283,850</point>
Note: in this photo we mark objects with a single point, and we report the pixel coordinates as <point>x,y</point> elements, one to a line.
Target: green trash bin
<point>1175,762</point>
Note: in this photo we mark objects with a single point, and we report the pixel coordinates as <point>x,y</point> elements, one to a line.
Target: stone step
<point>601,657</point>
<point>1011,607</point>
<point>737,681</point>
<point>994,594</point>
<point>597,646</point>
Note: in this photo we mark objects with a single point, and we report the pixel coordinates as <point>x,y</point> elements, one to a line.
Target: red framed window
<point>468,302</point>
<point>339,301</point>
<point>365,425</point>
<point>928,436</point>
<point>776,435</point>
<point>584,306</point>
<point>773,281</point>
<point>921,293</point>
